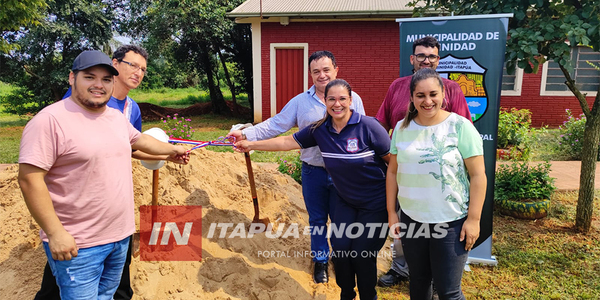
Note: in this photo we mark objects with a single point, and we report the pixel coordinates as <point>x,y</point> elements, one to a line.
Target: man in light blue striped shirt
<point>317,187</point>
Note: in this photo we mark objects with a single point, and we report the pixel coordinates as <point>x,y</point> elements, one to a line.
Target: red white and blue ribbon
<point>221,141</point>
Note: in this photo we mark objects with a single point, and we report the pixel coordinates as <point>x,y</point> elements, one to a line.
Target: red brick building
<point>364,37</point>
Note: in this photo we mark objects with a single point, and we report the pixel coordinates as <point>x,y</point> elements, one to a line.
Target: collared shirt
<point>353,158</point>
<point>303,110</point>
<point>129,108</point>
<point>395,104</point>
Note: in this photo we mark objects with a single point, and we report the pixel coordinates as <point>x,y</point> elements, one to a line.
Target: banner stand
<point>481,254</point>
<point>472,50</point>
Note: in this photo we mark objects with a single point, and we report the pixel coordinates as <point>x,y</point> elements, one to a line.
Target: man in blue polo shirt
<point>317,187</point>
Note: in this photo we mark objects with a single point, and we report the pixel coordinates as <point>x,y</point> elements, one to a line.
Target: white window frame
<point>518,84</point>
<point>273,69</point>
<point>544,92</point>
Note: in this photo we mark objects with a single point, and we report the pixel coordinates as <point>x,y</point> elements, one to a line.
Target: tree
<point>546,30</point>
<point>41,65</point>
<point>17,15</point>
<point>196,31</point>
<point>240,48</point>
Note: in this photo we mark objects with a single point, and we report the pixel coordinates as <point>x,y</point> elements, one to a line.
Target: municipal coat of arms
<point>470,76</point>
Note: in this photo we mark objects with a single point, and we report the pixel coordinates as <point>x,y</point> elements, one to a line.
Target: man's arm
<point>35,192</point>
<point>153,146</point>
<point>145,156</point>
<point>357,104</point>
<point>384,110</point>
<point>274,126</point>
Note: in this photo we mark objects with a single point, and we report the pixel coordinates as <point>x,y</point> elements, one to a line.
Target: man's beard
<point>86,101</point>
<point>90,104</point>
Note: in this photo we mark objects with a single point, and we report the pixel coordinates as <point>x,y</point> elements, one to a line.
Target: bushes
<point>292,168</point>
<point>513,127</point>
<point>570,141</point>
<point>519,181</point>
<point>177,127</point>
<point>515,132</point>
<point>20,101</point>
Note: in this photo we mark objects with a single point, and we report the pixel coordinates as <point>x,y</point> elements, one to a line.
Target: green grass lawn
<point>178,98</point>
<point>11,128</point>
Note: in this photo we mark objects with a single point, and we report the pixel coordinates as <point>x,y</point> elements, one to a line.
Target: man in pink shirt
<point>393,109</point>
<point>75,175</point>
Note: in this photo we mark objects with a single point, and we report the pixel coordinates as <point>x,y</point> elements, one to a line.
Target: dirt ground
<point>231,268</point>
<point>151,112</point>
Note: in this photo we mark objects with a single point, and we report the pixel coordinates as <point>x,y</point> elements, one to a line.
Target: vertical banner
<point>471,54</point>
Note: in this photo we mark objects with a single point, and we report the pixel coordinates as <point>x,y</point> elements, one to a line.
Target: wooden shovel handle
<point>155,187</point>
<point>250,175</point>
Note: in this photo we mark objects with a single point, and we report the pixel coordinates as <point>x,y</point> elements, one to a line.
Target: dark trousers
<point>49,289</point>
<point>440,256</point>
<point>355,258</point>
<point>320,197</point>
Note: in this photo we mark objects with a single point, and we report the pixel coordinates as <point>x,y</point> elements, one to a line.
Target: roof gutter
<point>319,14</point>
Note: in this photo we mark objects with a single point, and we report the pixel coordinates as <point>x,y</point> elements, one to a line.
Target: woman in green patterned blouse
<point>437,176</point>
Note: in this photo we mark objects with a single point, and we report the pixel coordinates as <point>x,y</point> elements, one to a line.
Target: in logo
<point>470,76</point>
<point>170,233</point>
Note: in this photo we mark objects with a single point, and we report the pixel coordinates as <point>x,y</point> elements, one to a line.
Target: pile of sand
<point>231,268</point>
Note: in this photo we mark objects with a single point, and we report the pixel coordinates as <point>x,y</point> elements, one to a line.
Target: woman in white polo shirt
<point>434,152</point>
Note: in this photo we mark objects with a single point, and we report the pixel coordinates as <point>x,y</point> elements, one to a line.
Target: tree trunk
<point>589,155</point>
<point>242,51</point>
<point>216,97</point>
<point>229,83</point>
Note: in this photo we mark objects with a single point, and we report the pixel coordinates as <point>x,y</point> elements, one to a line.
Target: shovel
<point>256,220</point>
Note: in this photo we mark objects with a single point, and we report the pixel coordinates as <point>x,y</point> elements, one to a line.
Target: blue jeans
<point>94,274</point>
<point>439,258</point>
<point>319,197</point>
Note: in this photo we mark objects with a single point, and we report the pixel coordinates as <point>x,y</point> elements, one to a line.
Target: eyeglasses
<point>333,99</point>
<point>421,57</point>
<point>134,67</point>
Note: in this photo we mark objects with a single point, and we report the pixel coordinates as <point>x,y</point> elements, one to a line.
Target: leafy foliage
<point>17,15</point>
<point>539,27</point>
<point>170,73</point>
<point>19,101</point>
<point>198,36</point>
<point>515,132</point>
<point>41,64</point>
<point>292,168</point>
<point>178,127</point>
<point>571,136</point>
<point>519,181</point>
